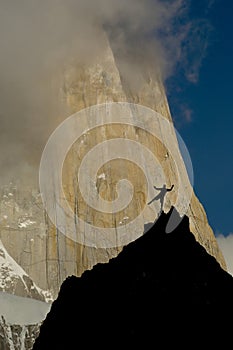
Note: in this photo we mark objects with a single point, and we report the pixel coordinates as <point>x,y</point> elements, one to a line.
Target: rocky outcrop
<point>16,337</point>
<point>161,289</point>
<point>23,243</point>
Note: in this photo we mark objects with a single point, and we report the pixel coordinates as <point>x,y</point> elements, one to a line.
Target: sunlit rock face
<point>106,79</point>
<point>46,254</point>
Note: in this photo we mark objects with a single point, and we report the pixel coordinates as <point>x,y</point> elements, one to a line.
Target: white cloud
<point>226,245</point>
<point>147,37</point>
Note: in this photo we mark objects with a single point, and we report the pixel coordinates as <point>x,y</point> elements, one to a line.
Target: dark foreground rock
<point>163,290</point>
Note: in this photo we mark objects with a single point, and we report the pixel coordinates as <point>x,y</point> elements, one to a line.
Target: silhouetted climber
<point>163,190</point>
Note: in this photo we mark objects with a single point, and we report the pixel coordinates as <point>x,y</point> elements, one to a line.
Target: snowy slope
<point>14,280</point>
<point>22,311</point>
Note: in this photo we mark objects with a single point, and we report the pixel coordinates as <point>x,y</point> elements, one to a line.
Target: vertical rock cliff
<point>38,245</point>
<point>47,255</point>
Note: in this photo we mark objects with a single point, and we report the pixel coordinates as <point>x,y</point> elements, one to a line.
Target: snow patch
<point>26,223</point>
<point>22,311</point>
<point>6,261</point>
<point>125,218</point>
<point>102,176</point>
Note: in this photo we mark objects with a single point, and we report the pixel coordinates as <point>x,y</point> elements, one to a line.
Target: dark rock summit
<point>162,290</point>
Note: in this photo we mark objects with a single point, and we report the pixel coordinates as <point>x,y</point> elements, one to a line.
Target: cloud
<point>210,3</point>
<point>38,39</point>
<point>196,47</point>
<point>226,245</point>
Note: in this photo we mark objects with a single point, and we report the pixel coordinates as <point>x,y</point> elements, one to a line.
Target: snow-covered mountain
<point>23,305</point>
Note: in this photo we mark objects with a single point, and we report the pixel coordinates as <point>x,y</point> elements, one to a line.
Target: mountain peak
<point>159,284</point>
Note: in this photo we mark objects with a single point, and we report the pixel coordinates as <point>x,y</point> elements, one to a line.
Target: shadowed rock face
<point>161,289</point>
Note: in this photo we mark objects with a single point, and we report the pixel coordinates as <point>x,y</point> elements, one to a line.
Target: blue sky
<point>203,114</point>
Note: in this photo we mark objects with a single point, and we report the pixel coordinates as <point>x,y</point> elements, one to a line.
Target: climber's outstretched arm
<point>157,188</point>
<point>169,189</point>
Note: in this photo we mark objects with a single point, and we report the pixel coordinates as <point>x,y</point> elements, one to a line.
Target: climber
<point>163,190</point>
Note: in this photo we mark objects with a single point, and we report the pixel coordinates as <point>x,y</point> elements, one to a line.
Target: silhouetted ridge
<point>160,288</point>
